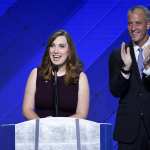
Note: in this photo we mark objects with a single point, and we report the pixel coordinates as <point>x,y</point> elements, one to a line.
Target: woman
<point>73,88</point>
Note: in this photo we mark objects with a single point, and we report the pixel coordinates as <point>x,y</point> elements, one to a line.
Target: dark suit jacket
<point>134,98</point>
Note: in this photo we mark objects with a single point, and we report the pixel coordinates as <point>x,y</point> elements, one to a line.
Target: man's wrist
<point>125,67</point>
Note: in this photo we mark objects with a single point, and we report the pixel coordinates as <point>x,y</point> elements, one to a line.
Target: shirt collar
<point>136,47</point>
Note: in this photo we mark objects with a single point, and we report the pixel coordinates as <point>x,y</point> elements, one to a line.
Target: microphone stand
<point>55,84</point>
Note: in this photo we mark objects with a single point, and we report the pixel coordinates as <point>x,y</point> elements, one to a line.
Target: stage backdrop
<point>96,26</point>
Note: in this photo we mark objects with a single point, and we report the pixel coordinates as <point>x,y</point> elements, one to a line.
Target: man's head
<point>139,24</point>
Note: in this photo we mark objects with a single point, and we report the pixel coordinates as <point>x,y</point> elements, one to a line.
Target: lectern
<point>56,133</point>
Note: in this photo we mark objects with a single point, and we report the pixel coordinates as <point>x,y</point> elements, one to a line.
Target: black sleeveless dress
<point>44,97</point>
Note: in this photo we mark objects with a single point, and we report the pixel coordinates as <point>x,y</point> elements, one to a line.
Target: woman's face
<point>59,51</point>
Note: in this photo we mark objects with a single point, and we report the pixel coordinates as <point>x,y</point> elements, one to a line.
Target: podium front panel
<point>59,133</point>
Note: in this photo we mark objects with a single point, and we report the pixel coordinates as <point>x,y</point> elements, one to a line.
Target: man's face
<point>138,26</point>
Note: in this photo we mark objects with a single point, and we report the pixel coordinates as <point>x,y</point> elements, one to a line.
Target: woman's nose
<point>56,49</point>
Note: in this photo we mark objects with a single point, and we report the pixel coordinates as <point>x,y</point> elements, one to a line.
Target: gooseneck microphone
<point>55,70</point>
<point>55,86</point>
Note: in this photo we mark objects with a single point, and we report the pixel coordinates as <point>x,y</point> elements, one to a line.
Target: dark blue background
<point>96,26</point>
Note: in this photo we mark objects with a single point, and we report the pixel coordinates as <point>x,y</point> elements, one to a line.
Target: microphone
<point>55,70</point>
<point>55,86</point>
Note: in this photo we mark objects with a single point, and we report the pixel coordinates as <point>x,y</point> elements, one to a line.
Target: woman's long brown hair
<point>73,64</point>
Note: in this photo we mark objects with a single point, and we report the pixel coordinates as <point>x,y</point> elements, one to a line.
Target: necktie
<point>140,61</point>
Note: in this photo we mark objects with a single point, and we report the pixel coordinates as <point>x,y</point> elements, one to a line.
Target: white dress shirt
<point>136,52</point>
